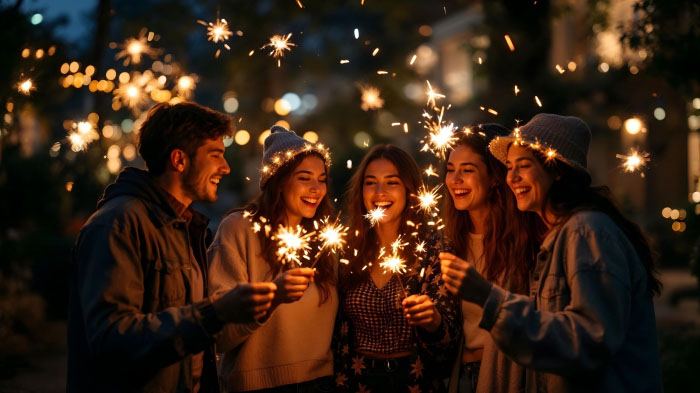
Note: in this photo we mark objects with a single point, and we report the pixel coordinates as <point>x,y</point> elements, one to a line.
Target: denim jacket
<point>588,323</point>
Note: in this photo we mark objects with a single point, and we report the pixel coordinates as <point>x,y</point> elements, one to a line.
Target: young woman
<point>485,228</point>
<point>289,348</point>
<point>588,322</point>
<point>393,330</point>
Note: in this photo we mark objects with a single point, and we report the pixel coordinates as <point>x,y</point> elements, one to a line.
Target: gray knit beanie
<point>281,146</point>
<point>565,138</point>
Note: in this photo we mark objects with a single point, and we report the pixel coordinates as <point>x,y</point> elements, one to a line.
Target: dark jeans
<point>388,375</point>
<point>468,377</point>
<point>319,385</point>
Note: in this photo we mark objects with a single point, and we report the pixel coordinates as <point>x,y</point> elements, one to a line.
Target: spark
<point>81,135</point>
<point>430,171</point>
<point>375,216</point>
<point>428,198</point>
<point>371,98</point>
<point>26,86</point>
<point>299,4</point>
<point>413,59</point>
<point>344,61</point>
<point>398,245</point>
<point>382,72</point>
<point>420,247</point>
<point>185,85</point>
<point>131,94</point>
<point>492,111</point>
<point>279,44</point>
<point>510,43</point>
<point>441,135</point>
<point>332,235</point>
<point>559,69</point>
<point>134,48</point>
<point>217,31</point>
<point>516,90</point>
<point>375,51</point>
<point>291,243</point>
<point>634,161</point>
<point>537,100</point>
<point>551,154</point>
<point>357,33</point>
<point>432,95</point>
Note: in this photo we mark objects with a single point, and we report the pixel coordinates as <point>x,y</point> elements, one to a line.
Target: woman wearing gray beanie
<point>290,349</point>
<point>588,323</point>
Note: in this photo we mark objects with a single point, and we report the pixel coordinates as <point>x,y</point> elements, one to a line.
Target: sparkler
<point>428,199</point>
<point>432,95</point>
<point>25,86</point>
<point>185,85</point>
<point>332,236</point>
<point>82,134</point>
<point>279,44</point>
<point>292,244</point>
<point>134,48</point>
<point>634,161</point>
<point>430,171</point>
<point>375,216</point>
<point>371,99</point>
<point>441,135</point>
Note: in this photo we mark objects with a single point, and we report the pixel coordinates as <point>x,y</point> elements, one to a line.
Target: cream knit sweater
<point>292,345</point>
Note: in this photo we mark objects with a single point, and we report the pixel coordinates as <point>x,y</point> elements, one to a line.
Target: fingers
<point>262,287</point>
<point>302,271</point>
<point>446,256</point>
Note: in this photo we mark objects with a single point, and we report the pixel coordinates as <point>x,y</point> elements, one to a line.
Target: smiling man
<point>139,317</point>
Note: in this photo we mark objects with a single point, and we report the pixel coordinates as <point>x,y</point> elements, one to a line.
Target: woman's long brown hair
<point>362,237</point>
<point>269,203</point>
<point>511,237</point>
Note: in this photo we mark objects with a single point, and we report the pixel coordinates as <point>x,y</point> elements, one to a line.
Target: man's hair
<point>184,126</point>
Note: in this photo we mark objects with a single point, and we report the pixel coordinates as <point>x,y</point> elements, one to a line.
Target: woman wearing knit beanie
<point>485,227</point>
<point>290,348</point>
<point>588,323</point>
<point>394,329</point>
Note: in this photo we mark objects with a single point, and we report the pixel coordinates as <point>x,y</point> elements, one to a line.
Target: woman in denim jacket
<point>588,323</point>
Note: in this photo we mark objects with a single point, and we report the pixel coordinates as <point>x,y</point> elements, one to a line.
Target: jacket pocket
<point>171,277</point>
<point>555,293</point>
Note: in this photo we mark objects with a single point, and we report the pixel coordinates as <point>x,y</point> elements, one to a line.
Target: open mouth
<point>521,192</point>
<point>383,204</point>
<point>309,201</point>
<point>215,180</point>
<point>460,192</point>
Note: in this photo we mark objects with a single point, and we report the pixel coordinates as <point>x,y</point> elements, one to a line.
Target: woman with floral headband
<point>485,228</point>
<point>395,328</point>
<point>289,349</point>
<point>588,323</point>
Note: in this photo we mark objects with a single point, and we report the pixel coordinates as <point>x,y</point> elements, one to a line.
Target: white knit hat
<point>283,145</point>
<point>565,138</point>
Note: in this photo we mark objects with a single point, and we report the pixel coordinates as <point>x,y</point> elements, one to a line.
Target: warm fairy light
<point>26,86</point>
<point>279,44</point>
<point>633,126</point>
<point>292,244</point>
<point>430,171</point>
<point>510,43</point>
<point>432,95</point>
<point>282,157</point>
<point>371,99</point>
<point>634,161</point>
<point>428,198</point>
<point>375,216</point>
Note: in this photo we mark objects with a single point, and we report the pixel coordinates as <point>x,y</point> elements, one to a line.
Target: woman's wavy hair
<point>571,192</point>
<point>269,204</point>
<point>363,244</point>
<point>511,237</point>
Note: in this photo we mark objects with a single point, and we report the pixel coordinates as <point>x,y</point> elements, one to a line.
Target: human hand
<point>454,269</point>
<point>420,311</point>
<point>245,303</point>
<point>292,283</point>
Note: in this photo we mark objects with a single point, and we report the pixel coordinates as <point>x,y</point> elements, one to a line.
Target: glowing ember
<point>134,48</point>
<point>371,99</point>
<point>432,95</point>
<point>26,86</point>
<point>279,44</point>
<point>510,43</point>
<point>430,171</point>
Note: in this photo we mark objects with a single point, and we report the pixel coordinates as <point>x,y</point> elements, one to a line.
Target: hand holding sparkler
<point>245,303</point>
<point>292,284</point>
<point>462,278</point>
<point>292,244</point>
<point>420,311</point>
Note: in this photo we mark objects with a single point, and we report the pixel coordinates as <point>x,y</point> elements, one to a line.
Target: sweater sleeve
<point>580,339</point>
<point>229,258</point>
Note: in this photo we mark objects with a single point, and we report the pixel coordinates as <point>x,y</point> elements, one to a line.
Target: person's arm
<point>110,288</point>
<point>582,338</point>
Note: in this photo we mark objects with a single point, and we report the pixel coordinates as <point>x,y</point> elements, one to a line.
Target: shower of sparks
<point>26,86</point>
<point>375,216</point>
<point>131,95</point>
<point>432,95</point>
<point>292,243</point>
<point>279,44</point>
<point>371,98</point>
<point>217,31</point>
<point>332,235</point>
<point>510,43</point>
<point>82,134</point>
<point>430,171</point>
<point>398,245</point>
<point>537,100</point>
<point>134,48</point>
<point>441,135</point>
<point>636,160</point>
<point>393,262</point>
<point>428,199</point>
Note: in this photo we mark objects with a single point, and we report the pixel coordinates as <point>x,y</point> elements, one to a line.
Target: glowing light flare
<point>134,48</point>
<point>432,95</point>
<point>441,135</point>
<point>510,43</point>
<point>394,264</point>
<point>26,86</point>
<point>537,100</point>
<point>516,90</point>
<point>279,44</point>
<point>430,171</point>
<point>332,235</point>
<point>292,244</point>
<point>376,215</point>
<point>428,199</point>
<point>371,99</point>
<point>634,161</point>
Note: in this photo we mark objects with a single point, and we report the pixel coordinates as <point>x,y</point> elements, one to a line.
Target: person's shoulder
<point>238,222</point>
<point>592,221</point>
<point>121,208</point>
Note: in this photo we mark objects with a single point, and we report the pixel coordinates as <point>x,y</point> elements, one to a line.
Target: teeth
<point>461,192</point>
<point>215,180</point>
<point>310,200</point>
<point>521,190</point>
<point>383,204</point>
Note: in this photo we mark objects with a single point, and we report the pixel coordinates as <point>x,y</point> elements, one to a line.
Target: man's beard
<point>196,186</point>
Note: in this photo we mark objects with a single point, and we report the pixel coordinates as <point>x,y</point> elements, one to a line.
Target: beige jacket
<point>292,345</point>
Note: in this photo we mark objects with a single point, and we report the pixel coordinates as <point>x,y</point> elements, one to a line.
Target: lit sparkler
<point>634,161</point>
<point>375,216</point>
<point>441,135</point>
<point>82,134</point>
<point>332,235</point>
<point>432,95</point>
<point>134,48</point>
<point>430,171</point>
<point>185,85</point>
<point>428,198</point>
<point>131,95</point>
<point>279,44</point>
<point>371,98</point>
<point>26,86</point>
<point>292,244</point>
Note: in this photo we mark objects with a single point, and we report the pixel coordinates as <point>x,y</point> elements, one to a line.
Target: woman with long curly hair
<point>289,348</point>
<point>484,227</point>
<point>394,328</point>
